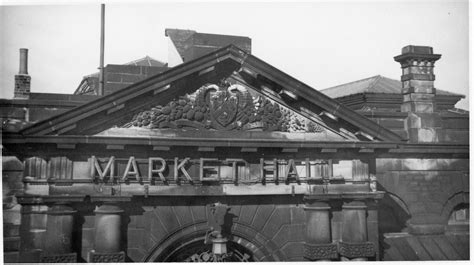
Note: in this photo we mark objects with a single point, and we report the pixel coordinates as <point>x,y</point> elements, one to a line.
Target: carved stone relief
<point>223,107</point>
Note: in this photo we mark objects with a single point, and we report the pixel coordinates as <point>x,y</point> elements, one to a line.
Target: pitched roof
<point>147,61</point>
<point>115,108</point>
<point>374,85</point>
<point>428,247</point>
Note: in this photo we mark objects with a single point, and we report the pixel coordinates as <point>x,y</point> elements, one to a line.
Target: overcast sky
<point>321,44</point>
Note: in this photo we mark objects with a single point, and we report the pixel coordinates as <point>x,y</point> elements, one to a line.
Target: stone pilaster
<point>354,244</point>
<point>59,235</point>
<point>108,235</point>
<point>318,244</point>
<point>32,229</point>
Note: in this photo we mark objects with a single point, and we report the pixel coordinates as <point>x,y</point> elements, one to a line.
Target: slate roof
<point>374,85</point>
<point>429,247</point>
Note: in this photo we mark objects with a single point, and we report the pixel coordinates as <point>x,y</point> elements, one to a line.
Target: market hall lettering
<point>160,170</point>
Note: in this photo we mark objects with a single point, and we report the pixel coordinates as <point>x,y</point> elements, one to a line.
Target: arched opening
<point>459,219</point>
<point>196,250</point>
<point>393,214</point>
<point>188,245</point>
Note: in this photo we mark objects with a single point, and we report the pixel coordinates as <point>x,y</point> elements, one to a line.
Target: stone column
<point>318,244</point>
<point>59,230</point>
<point>354,245</point>
<point>108,237</point>
<point>32,231</point>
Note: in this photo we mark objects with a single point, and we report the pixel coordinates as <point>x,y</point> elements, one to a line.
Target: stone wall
<point>153,226</point>
<point>426,189</point>
<point>12,175</point>
<point>120,76</point>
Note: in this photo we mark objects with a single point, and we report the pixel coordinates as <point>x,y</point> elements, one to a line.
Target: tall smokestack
<point>22,79</point>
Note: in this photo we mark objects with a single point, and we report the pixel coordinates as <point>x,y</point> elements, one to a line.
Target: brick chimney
<point>422,123</point>
<point>22,79</point>
<point>187,45</point>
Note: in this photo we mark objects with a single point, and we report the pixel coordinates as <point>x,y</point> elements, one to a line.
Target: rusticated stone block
<point>279,217</point>
<point>297,215</point>
<point>135,254</point>
<point>157,229</point>
<point>168,217</point>
<point>199,213</point>
<point>135,237</point>
<point>418,97</point>
<point>247,213</point>
<point>320,251</point>
<point>289,233</point>
<point>423,120</point>
<point>148,242</point>
<point>356,250</point>
<point>183,213</point>
<point>293,249</point>
<point>418,106</point>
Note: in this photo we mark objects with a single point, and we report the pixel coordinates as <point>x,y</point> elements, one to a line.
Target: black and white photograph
<point>235,131</point>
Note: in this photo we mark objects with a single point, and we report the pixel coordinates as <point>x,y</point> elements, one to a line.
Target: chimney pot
<point>23,61</point>
<point>417,49</point>
<point>22,79</point>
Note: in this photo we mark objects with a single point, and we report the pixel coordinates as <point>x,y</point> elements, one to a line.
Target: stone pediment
<point>224,107</point>
<point>226,90</point>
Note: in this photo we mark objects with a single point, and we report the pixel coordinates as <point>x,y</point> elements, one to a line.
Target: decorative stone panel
<point>356,250</point>
<point>320,251</point>
<point>106,257</point>
<point>61,258</point>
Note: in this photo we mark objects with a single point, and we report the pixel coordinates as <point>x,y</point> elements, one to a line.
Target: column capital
<point>317,206</point>
<point>108,209</point>
<point>61,209</point>
<point>355,205</point>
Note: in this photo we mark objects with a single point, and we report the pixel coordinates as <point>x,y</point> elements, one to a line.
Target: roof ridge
<point>374,82</point>
<point>353,82</point>
<point>148,58</point>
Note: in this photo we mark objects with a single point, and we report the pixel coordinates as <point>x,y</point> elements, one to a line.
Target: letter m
<point>95,168</point>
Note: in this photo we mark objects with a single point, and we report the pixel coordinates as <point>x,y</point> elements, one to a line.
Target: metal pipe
<point>100,92</point>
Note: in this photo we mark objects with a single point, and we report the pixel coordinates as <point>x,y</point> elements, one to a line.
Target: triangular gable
<point>229,63</point>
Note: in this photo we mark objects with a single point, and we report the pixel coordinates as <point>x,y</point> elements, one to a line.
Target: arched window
<point>459,218</point>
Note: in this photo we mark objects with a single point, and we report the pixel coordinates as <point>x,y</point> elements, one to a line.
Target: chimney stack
<point>22,79</point>
<point>422,123</point>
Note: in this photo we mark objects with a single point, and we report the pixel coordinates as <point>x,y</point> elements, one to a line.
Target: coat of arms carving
<point>224,107</point>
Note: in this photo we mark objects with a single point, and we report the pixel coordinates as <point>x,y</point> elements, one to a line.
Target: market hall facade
<point>226,158</point>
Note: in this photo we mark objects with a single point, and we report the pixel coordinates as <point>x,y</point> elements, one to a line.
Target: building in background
<point>218,155</point>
